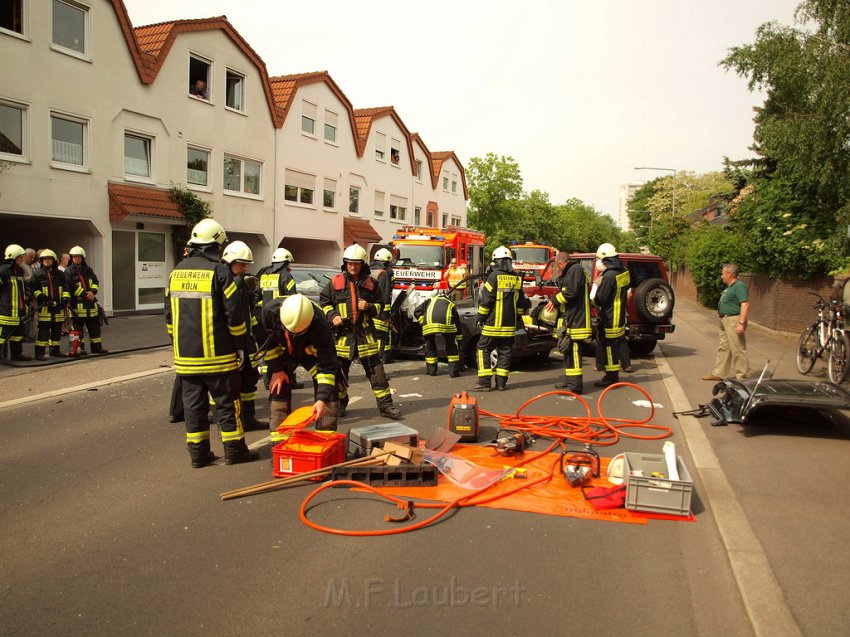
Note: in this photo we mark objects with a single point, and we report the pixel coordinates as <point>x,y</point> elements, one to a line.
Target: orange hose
<point>598,431</point>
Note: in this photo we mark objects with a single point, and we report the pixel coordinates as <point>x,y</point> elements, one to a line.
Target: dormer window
<point>395,153</point>
<point>380,146</point>
<point>308,118</point>
<point>199,77</point>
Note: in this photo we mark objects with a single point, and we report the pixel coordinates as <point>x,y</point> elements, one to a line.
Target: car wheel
<point>654,300</point>
<point>642,347</point>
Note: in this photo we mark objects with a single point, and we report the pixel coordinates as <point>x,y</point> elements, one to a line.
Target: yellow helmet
<point>354,252</point>
<point>47,253</point>
<point>237,251</point>
<point>77,251</point>
<point>384,255</point>
<point>296,313</point>
<point>282,255</point>
<point>13,251</point>
<point>207,231</point>
<point>550,317</point>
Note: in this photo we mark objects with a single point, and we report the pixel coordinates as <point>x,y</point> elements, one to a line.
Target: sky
<point>578,92</point>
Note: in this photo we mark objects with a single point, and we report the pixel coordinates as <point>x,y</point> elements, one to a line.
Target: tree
<point>193,208</point>
<point>495,188</point>
<point>712,247</point>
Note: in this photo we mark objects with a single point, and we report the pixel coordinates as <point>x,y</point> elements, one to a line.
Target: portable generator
<point>463,417</point>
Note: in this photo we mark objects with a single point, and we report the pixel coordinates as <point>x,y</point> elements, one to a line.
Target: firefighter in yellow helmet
<point>13,305</point>
<point>351,301</point>
<point>208,328</point>
<point>382,272</point>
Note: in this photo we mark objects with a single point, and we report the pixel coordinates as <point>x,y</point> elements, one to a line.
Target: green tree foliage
<point>495,188</point>
<point>710,248</point>
<point>802,134</point>
<point>193,208</point>
<point>582,228</point>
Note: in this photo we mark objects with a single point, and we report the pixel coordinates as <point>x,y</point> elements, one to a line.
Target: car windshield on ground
<point>425,257</point>
<point>310,280</point>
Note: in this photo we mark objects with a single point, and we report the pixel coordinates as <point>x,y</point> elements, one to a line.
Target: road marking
<point>762,595</point>
<point>94,384</point>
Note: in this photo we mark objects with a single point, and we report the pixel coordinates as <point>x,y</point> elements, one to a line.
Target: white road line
<point>762,595</point>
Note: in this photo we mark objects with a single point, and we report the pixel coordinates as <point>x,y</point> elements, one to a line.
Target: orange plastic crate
<point>306,451</point>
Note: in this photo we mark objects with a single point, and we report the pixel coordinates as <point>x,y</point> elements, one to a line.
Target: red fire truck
<point>530,258</point>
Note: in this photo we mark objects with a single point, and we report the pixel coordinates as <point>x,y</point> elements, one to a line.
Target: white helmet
<point>282,255</point>
<point>207,231</point>
<point>237,251</point>
<point>13,251</point>
<point>296,313</point>
<point>77,251</point>
<point>502,253</point>
<point>550,317</point>
<point>47,253</point>
<point>606,250</point>
<point>354,252</point>
<point>384,255</point>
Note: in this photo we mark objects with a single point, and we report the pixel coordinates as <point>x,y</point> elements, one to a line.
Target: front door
<point>151,272</point>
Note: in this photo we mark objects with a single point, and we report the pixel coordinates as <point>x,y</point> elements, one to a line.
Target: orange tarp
<point>555,497</point>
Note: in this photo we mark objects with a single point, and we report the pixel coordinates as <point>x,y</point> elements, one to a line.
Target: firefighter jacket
<point>203,314</point>
<point>276,281</point>
<point>356,336</point>
<point>246,302</point>
<point>438,315</point>
<point>81,279</point>
<point>573,302</point>
<point>313,349</point>
<point>502,302</point>
<point>13,306</point>
<point>612,297</point>
<point>384,277</point>
<point>50,293</point>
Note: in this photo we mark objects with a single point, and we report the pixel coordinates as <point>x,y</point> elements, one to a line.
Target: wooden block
<point>402,451</point>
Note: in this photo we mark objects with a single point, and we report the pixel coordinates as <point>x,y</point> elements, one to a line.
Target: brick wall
<point>779,304</point>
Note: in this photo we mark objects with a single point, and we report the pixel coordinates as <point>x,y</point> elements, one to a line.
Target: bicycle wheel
<point>838,355</point>
<point>807,349</point>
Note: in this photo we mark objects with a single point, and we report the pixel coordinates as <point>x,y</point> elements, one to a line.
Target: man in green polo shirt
<point>733,307</point>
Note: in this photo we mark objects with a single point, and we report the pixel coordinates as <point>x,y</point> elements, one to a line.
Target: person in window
<point>199,89</point>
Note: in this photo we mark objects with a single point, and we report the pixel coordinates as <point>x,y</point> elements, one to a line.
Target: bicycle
<point>825,336</point>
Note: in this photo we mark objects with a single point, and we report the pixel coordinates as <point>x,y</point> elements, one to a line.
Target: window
<point>380,145</point>
<point>235,88</point>
<point>13,131</point>
<point>454,183</point>
<point>430,223</point>
<point>137,155</point>
<point>398,208</point>
<point>445,220</point>
<point>197,166</point>
<point>354,200</point>
<point>329,195</point>
<point>445,183</point>
<point>71,26</point>
<point>417,216</point>
<point>379,204</point>
<point>456,221</point>
<point>242,175</point>
<point>395,152</point>
<point>68,140</point>
<point>308,118</point>
<point>199,77</point>
<point>299,187</point>
<point>418,170</point>
<point>12,16</point>
<point>330,126</point>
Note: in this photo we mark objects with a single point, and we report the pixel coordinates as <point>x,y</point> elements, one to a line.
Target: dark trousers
<point>374,369</point>
<point>14,335</point>
<point>50,331</point>
<point>92,324</point>
<point>504,347</point>
<point>175,409</point>
<point>622,349</point>
<point>223,389</point>
<point>610,349</point>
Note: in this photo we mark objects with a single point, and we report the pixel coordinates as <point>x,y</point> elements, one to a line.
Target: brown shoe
<point>710,377</point>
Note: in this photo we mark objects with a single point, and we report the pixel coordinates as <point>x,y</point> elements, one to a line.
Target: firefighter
<point>52,299</point>
<point>438,315</point>
<point>385,277</point>
<point>237,255</point>
<point>611,298</point>
<point>351,301</point>
<point>83,286</point>
<point>572,305</point>
<point>500,307</point>
<point>207,325</point>
<point>277,280</point>
<point>300,335</point>
<point>13,305</point>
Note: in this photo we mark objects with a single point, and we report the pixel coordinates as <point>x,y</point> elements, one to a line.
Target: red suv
<point>651,299</point>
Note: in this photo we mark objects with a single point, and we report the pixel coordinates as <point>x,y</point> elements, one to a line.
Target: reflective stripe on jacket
<point>501,304</point>
<point>573,302</point>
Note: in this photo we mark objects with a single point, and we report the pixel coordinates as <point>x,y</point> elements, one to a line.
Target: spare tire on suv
<point>654,300</point>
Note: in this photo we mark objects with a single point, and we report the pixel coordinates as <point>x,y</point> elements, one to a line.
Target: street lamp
<point>673,198</point>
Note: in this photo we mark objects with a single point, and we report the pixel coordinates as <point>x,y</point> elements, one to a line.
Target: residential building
<point>627,193</point>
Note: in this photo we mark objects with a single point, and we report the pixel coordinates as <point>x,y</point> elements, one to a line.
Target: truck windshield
<point>531,255</point>
<point>420,256</point>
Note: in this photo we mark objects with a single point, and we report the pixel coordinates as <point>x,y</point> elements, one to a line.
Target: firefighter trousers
<point>503,345</point>
<point>374,369</point>
<point>223,390</point>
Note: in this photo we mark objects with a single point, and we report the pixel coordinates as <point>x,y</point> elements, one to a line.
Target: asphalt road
<point>105,529</point>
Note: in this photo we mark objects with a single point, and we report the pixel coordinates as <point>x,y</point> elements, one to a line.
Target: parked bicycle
<point>825,336</point>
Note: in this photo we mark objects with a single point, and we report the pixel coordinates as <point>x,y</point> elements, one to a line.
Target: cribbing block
<point>383,476</point>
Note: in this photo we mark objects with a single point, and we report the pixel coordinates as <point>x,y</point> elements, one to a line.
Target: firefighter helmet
<point>501,253</point>
<point>282,255</point>
<point>237,251</point>
<point>354,253</point>
<point>383,255</point>
<point>77,251</point>
<point>549,317</point>
<point>47,253</point>
<point>296,313</point>
<point>13,251</point>
<point>606,250</point>
<point>207,231</point>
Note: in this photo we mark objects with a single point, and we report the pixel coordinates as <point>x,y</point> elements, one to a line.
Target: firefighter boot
<point>483,384</point>
<point>608,379</point>
<point>571,384</point>
<point>237,452</point>
<point>201,455</point>
<point>390,411</point>
<point>97,348</point>
<point>431,369</point>
<point>56,352</point>
<point>16,349</point>
<point>501,383</point>
<point>249,417</point>
<point>329,420</point>
<point>343,406</point>
<point>39,353</point>
<point>454,369</point>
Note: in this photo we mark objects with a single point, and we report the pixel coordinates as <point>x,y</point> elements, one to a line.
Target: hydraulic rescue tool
<point>509,442</point>
<point>580,466</point>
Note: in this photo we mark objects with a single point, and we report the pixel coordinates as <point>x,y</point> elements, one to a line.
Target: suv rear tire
<point>654,300</point>
<point>642,347</point>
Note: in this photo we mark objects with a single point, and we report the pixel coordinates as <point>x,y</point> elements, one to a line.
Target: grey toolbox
<point>361,440</point>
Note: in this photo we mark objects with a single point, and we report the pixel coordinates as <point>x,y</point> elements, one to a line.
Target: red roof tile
<point>364,118</point>
<point>437,159</point>
<point>360,231</point>
<point>146,201</point>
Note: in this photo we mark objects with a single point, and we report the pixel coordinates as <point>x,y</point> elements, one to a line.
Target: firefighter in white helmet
<point>611,298</point>
<point>351,301</point>
<point>572,307</point>
<point>276,280</point>
<point>83,285</point>
<point>208,327</point>
<point>383,274</point>
<point>51,295</point>
<point>13,305</point>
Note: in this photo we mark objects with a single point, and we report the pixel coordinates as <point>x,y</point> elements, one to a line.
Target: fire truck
<point>531,258</point>
<point>423,255</point>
